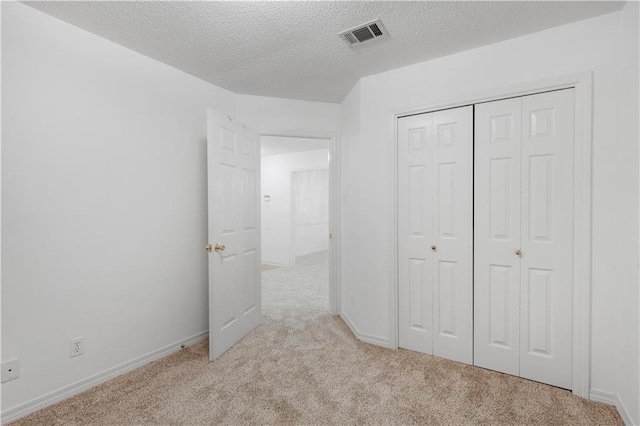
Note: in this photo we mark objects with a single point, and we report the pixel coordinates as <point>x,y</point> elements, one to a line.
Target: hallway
<point>297,294</point>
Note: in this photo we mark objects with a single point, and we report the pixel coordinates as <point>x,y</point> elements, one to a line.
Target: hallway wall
<point>278,243</point>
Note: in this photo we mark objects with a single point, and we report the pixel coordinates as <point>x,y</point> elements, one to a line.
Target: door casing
<point>582,83</point>
<point>335,226</point>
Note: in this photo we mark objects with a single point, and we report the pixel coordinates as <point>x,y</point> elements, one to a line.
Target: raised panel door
<point>547,237</point>
<point>452,165</point>
<point>415,235</point>
<point>434,233</point>
<point>233,163</point>
<point>523,236</point>
<point>497,235</point>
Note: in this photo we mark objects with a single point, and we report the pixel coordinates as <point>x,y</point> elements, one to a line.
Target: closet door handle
<point>433,248</point>
<point>518,252</point>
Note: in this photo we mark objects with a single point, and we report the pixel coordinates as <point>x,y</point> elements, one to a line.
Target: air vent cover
<point>373,30</point>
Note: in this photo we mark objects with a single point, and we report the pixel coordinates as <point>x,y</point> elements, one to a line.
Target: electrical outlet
<point>10,370</point>
<point>76,346</point>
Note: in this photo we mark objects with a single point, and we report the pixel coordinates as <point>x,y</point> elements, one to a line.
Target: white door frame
<point>335,224</point>
<point>582,83</point>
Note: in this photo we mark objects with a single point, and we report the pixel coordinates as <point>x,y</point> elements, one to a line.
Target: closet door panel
<point>497,235</point>
<point>453,213</point>
<point>547,237</point>
<point>415,234</point>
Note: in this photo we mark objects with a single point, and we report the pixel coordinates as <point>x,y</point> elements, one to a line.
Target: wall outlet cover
<point>10,370</point>
<point>76,346</point>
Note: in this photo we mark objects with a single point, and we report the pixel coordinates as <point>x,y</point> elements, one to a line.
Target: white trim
<point>302,134</point>
<point>91,381</point>
<point>582,83</point>
<point>335,218</point>
<point>393,246</point>
<point>581,358</point>
<point>1,195</point>
<point>517,90</point>
<point>608,398</point>
<point>335,226</point>
<point>365,338</point>
<point>278,264</point>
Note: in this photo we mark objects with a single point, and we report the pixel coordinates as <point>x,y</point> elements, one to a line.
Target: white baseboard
<point>278,264</point>
<point>612,399</point>
<point>366,338</point>
<point>91,381</point>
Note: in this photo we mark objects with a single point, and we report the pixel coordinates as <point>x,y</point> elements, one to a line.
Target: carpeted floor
<point>302,366</point>
<point>267,267</point>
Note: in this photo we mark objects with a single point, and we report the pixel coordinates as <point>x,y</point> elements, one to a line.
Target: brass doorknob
<point>518,253</point>
<point>219,247</point>
<point>433,248</point>
<point>208,248</point>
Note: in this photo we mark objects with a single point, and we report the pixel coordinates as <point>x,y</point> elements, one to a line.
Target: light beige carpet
<point>302,366</point>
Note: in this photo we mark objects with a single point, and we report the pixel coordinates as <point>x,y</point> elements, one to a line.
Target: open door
<point>233,162</point>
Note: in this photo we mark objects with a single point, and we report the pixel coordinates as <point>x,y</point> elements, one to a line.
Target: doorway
<point>295,207</point>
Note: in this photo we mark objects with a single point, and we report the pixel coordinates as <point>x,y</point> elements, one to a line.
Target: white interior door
<point>546,269</point>
<point>497,235</point>
<point>523,236</point>
<point>233,160</point>
<point>415,233</point>
<point>453,234</point>
<point>310,205</point>
<point>435,233</point>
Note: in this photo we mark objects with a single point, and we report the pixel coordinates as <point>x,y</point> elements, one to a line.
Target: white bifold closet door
<point>523,236</point>
<point>435,181</point>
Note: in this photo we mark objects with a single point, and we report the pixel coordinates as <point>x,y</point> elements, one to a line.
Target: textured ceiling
<point>291,49</point>
<point>272,145</point>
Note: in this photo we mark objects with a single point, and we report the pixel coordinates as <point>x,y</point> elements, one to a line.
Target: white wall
<point>104,202</point>
<point>287,116</point>
<point>0,193</point>
<point>628,314</point>
<point>277,236</point>
<point>104,198</point>
<point>595,44</point>
<point>351,142</point>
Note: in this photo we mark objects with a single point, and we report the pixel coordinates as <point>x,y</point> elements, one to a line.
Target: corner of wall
<point>350,111</point>
<point>628,315</point>
<point>363,337</point>
<point>1,7</point>
<point>608,398</point>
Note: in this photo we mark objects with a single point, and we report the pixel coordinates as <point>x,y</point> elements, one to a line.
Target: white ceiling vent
<point>373,30</point>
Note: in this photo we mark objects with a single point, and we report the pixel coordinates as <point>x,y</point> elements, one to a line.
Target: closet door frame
<point>583,104</point>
